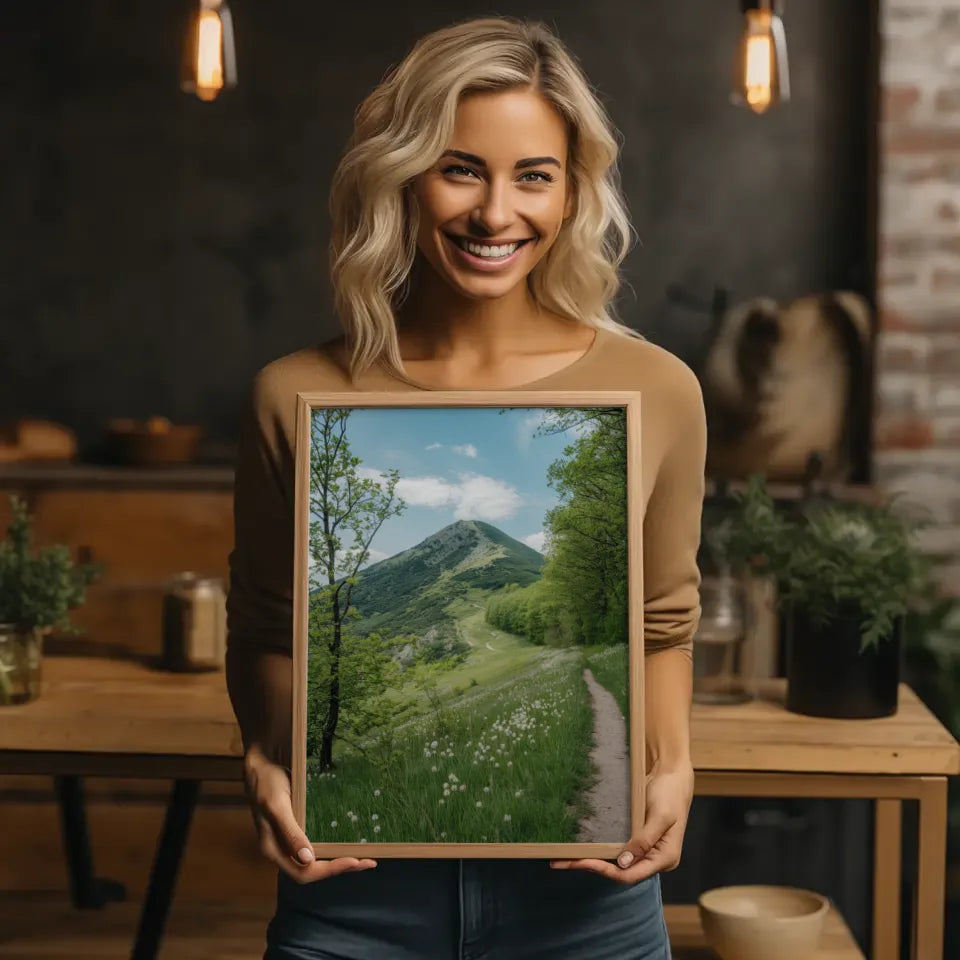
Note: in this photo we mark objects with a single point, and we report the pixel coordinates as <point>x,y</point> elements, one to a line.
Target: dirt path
<point>609,798</point>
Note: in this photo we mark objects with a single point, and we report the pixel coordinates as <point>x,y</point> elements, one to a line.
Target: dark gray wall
<point>156,250</point>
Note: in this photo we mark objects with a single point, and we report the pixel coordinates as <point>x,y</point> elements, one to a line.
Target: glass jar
<point>718,662</point>
<point>20,662</point>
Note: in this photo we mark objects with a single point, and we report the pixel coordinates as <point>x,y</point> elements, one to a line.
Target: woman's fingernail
<point>626,858</point>
<point>305,855</point>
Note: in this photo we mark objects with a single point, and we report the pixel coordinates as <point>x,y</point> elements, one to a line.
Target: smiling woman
<point>494,214</point>
<point>477,232</point>
<point>496,163</point>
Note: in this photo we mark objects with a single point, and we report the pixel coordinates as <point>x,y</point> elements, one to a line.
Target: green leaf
<point>39,589</point>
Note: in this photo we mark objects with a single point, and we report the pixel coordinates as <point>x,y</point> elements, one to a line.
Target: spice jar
<point>194,623</point>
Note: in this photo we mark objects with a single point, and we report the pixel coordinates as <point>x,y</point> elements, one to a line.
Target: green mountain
<point>409,592</point>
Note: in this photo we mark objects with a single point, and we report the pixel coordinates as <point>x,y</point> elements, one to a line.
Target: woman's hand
<point>281,839</point>
<point>657,847</point>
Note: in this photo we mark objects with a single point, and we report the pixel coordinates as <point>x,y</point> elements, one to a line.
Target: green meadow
<point>502,761</point>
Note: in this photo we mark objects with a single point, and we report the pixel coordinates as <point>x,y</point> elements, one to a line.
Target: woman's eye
<point>457,168</point>
<point>540,176</point>
<point>543,176</point>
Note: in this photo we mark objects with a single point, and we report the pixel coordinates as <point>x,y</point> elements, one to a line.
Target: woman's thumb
<point>286,827</point>
<point>298,846</point>
<point>305,854</point>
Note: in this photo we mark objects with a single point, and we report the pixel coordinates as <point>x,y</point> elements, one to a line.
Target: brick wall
<point>917,427</point>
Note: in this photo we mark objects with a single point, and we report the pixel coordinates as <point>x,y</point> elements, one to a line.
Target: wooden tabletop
<point>107,715</point>
<point>762,735</point>
<point>123,717</point>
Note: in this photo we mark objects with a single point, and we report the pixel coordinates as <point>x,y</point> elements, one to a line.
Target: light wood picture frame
<point>468,657</point>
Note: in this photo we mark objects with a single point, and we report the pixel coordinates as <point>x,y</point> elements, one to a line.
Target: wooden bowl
<point>153,442</point>
<point>758,922</point>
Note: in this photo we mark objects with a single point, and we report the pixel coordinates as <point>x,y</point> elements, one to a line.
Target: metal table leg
<point>166,864</point>
<point>86,891</point>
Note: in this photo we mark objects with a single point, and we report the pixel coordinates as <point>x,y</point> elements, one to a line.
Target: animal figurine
<point>785,384</point>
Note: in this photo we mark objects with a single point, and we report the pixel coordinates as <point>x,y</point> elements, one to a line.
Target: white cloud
<point>368,473</point>
<point>428,491</point>
<point>433,446</point>
<point>484,498</point>
<point>467,449</point>
<point>536,540</point>
<point>472,496</point>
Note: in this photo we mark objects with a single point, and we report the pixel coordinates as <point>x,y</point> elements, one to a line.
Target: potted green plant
<point>37,592</point>
<point>847,573</point>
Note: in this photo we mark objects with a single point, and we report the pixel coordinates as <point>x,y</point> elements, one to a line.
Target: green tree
<point>346,670</point>
<point>581,596</point>
<point>587,529</point>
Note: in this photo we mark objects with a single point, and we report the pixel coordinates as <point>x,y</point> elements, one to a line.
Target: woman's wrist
<point>670,763</point>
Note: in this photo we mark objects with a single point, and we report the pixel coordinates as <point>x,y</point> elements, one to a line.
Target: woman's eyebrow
<point>519,165</point>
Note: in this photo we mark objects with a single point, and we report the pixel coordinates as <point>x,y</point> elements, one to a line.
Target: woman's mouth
<point>486,256</point>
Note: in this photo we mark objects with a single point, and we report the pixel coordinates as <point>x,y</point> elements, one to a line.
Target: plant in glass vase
<point>847,573</point>
<point>38,589</point>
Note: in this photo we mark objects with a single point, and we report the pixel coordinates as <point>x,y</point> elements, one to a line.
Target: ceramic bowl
<point>759,922</point>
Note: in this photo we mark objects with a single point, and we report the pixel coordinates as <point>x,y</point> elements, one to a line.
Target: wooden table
<point>122,718</point>
<point>104,717</point>
<point>759,749</point>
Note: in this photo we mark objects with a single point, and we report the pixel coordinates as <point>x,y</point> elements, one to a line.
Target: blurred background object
<point>210,56</point>
<point>194,623</point>
<point>718,650</point>
<point>761,77</point>
<point>783,382</point>
<point>152,442</point>
<point>29,441</point>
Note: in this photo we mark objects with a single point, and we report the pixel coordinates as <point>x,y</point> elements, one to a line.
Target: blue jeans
<point>467,910</point>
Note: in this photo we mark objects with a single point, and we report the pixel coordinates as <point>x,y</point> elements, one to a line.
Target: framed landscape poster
<point>468,624</point>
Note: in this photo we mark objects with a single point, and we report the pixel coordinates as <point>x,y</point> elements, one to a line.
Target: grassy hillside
<point>411,592</point>
<point>506,761</point>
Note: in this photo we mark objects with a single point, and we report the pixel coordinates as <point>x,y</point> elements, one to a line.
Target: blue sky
<point>467,463</point>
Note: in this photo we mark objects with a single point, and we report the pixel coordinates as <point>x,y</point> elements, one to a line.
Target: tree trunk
<point>333,700</point>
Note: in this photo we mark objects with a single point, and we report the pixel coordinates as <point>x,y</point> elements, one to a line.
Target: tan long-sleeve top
<point>673,449</point>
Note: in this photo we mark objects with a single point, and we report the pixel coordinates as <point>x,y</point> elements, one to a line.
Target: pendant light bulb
<point>210,61</point>
<point>761,76</point>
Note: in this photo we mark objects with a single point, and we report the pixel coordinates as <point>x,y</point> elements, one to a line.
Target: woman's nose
<point>494,213</point>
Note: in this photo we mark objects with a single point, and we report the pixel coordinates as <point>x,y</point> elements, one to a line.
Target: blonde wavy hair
<point>406,123</point>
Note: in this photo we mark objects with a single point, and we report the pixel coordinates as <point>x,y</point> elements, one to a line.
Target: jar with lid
<point>194,623</point>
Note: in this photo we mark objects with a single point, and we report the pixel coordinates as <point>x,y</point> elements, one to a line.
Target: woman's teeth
<point>483,250</point>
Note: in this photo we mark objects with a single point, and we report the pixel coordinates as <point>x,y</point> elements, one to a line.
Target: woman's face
<point>493,204</point>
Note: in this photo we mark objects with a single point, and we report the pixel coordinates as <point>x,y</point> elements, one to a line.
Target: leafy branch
<point>38,590</point>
